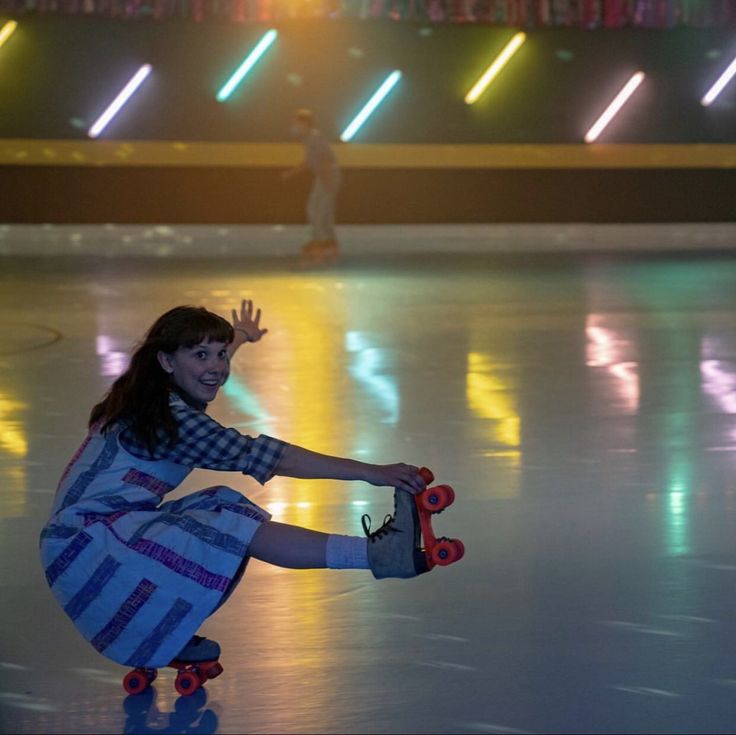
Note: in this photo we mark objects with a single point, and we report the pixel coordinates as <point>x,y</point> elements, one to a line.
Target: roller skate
<point>308,253</point>
<point>405,545</point>
<point>319,252</point>
<point>330,251</point>
<point>196,663</point>
<point>441,551</point>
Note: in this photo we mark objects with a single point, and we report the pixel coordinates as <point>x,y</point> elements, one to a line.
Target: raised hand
<point>247,328</point>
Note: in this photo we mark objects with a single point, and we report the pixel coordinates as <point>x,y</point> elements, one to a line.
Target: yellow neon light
<point>492,71</point>
<point>7,31</point>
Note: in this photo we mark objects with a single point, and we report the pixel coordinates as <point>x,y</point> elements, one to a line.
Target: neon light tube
<point>379,95</point>
<point>492,71</point>
<point>7,31</point>
<point>114,107</point>
<point>618,102</point>
<point>250,61</point>
<point>718,87</point>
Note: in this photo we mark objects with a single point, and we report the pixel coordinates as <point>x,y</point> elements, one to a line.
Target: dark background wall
<point>57,74</point>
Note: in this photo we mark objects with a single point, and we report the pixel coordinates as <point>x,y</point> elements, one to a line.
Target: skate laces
<point>385,529</point>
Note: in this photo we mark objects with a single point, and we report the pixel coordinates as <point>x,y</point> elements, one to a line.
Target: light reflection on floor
<point>583,410</point>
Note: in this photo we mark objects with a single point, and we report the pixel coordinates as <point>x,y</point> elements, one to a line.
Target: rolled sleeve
<point>206,444</point>
<point>264,457</point>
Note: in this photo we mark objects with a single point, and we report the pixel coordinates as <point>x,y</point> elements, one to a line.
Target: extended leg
<point>313,204</point>
<point>294,547</point>
<point>287,546</point>
<point>391,551</point>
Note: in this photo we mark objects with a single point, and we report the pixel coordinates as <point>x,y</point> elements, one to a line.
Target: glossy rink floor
<point>584,410</point>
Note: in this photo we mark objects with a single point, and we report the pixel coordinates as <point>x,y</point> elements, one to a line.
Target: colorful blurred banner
<point>516,13</point>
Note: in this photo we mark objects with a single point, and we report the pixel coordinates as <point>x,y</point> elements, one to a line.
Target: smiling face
<point>200,370</point>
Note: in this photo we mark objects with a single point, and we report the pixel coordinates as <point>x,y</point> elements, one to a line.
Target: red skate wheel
<point>435,499</point>
<point>187,682</point>
<point>444,553</point>
<point>212,671</point>
<point>136,681</point>
<point>460,548</point>
<point>426,475</point>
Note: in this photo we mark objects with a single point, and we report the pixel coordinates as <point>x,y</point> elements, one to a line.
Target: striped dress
<point>138,576</point>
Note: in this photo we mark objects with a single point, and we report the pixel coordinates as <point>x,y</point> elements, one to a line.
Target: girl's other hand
<point>404,476</point>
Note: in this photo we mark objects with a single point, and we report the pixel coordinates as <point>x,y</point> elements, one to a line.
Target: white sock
<point>347,552</point>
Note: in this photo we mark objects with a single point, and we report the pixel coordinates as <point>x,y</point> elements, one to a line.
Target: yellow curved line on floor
<point>32,152</point>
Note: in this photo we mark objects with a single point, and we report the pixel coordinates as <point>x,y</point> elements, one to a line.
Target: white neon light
<point>125,94</point>
<point>618,102</point>
<point>379,95</point>
<point>718,87</point>
<point>249,62</point>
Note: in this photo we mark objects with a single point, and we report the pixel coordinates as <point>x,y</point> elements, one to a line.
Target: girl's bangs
<point>205,326</point>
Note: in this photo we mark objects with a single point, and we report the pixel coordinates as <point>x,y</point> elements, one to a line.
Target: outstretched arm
<point>303,463</point>
<point>296,171</point>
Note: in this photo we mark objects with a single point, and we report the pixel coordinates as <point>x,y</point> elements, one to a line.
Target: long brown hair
<point>140,396</point>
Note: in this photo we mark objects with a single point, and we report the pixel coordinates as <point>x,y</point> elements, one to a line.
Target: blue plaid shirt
<point>207,444</point>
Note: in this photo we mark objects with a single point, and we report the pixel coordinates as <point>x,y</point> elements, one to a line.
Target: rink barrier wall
<point>66,193</point>
<point>32,152</point>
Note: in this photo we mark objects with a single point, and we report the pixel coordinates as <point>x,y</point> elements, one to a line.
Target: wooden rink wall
<point>78,181</point>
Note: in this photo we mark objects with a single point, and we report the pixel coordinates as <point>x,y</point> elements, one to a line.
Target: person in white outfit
<point>320,161</point>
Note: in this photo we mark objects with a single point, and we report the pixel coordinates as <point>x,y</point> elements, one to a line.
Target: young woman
<point>138,576</point>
